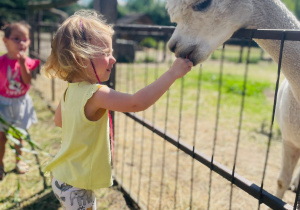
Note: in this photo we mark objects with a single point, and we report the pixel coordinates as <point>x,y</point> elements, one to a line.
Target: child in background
<point>16,106</point>
<point>82,55</point>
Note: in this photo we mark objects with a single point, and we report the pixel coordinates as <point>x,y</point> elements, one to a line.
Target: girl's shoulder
<point>3,57</point>
<point>102,88</point>
<point>4,61</point>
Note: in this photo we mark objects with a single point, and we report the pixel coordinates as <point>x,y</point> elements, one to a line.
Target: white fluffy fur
<point>198,34</point>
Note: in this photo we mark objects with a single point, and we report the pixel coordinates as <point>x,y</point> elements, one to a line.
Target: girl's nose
<point>113,60</point>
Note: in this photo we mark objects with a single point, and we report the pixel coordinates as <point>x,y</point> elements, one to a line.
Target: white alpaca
<point>204,25</point>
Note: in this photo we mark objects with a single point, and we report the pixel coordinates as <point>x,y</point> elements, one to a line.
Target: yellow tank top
<point>84,159</point>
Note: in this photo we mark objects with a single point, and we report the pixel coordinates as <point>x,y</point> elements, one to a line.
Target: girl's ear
<point>5,40</point>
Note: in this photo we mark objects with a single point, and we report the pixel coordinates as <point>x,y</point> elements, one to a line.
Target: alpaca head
<point>204,25</point>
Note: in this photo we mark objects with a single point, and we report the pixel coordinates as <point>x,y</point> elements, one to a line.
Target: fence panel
<point>224,108</point>
<point>218,118</point>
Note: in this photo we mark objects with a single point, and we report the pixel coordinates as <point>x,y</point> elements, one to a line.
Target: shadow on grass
<point>47,201</point>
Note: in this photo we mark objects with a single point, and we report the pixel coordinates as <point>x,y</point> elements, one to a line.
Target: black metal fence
<point>201,146</point>
<point>186,133</point>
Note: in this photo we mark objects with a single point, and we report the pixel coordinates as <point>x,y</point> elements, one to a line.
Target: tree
<point>293,6</point>
<point>12,10</point>
<point>16,10</point>
<point>70,9</point>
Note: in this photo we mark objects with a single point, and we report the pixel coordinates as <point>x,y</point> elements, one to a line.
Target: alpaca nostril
<point>172,47</point>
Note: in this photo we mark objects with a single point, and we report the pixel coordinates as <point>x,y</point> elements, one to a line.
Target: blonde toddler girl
<point>82,55</point>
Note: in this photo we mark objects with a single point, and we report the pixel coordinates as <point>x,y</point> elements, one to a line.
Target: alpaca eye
<point>202,6</point>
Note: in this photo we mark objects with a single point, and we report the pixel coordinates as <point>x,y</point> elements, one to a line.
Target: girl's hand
<point>25,73</point>
<point>21,57</point>
<point>181,67</point>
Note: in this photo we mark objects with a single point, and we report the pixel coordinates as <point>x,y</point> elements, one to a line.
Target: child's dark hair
<point>9,27</point>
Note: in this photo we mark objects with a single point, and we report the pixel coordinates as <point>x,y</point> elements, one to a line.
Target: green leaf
<point>13,148</point>
<point>15,133</point>
<point>46,154</point>
<point>29,150</point>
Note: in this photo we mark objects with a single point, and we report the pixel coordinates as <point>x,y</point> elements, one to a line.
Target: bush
<point>147,59</point>
<point>149,42</point>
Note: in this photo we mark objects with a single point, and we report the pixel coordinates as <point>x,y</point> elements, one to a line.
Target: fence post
<point>108,8</point>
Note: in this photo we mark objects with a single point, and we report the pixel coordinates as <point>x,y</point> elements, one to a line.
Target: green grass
<point>231,84</point>
<point>232,54</point>
<point>260,80</point>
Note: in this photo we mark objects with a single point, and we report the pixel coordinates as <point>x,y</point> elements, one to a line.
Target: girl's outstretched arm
<point>116,101</point>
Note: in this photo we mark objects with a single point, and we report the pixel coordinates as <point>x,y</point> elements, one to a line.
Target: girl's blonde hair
<point>72,48</point>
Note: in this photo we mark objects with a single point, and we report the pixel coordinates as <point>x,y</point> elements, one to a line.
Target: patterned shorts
<point>17,111</point>
<point>73,198</point>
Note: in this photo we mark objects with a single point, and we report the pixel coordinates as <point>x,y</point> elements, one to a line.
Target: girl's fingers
<point>190,63</point>
<point>21,54</point>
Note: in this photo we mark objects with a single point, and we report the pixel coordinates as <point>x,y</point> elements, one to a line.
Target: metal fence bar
<point>216,123</point>
<point>240,181</point>
<point>152,135</point>
<point>240,120</point>
<point>164,150</point>
<point>195,134</point>
<point>272,34</point>
<point>125,131</point>
<point>118,128</point>
<point>178,137</point>
<point>273,114</point>
<point>134,135</point>
<point>143,137</point>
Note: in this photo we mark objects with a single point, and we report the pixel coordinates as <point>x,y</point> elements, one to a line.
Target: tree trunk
<point>108,8</point>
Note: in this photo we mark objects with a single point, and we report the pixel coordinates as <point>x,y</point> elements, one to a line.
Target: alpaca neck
<point>272,14</point>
